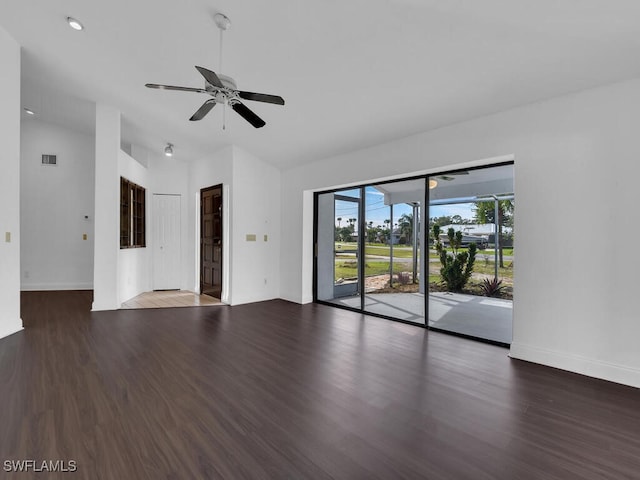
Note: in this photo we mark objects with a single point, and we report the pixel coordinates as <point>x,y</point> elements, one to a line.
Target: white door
<point>166,242</point>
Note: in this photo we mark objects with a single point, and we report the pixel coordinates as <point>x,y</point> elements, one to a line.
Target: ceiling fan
<point>452,176</point>
<point>223,89</point>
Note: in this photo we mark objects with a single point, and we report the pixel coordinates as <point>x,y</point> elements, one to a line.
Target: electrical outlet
<point>7,237</point>
<point>84,236</point>
<point>251,237</point>
<point>266,238</point>
<point>265,281</point>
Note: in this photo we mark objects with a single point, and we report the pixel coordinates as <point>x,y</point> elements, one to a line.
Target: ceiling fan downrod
<point>223,22</point>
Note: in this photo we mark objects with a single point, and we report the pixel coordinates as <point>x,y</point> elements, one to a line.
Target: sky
<point>462,209</point>
<point>377,211</point>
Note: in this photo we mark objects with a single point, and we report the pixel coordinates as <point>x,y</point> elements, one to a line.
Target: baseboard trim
<point>104,307</point>
<point>578,364</point>
<point>11,330</point>
<point>39,287</point>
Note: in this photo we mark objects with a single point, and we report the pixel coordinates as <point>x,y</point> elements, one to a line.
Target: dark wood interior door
<point>211,241</point>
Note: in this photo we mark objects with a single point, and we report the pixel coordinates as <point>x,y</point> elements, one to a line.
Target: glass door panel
<point>338,247</point>
<point>392,261</point>
<point>472,299</point>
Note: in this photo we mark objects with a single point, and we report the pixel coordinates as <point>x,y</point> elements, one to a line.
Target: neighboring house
<point>481,234</point>
<point>395,236</point>
<point>476,229</point>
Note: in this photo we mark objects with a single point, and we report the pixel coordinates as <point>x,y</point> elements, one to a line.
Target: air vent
<point>49,160</point>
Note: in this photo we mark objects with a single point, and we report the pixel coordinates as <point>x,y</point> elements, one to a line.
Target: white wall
<point>576,165</point>
<point>134,264</point>
<point>251,270</point>
<point>214,169</point>
<point>169,176</point>
<point>9,185</point>
<point>54,201</point>
<point>256,211</point>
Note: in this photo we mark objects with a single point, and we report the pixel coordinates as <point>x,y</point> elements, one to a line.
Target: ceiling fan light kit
<point>222,21</point>
<point>223,89</point>
<point>168,150</point>
<point>75,24</point>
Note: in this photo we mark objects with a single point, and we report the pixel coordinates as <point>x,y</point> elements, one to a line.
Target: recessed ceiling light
<point>75,24</point>
<point>30,112</point>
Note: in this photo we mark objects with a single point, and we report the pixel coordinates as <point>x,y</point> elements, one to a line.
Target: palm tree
<point>386,232</point>
<point>405,224</point>
<point>485,213</point>
<point>339,219</point>
<point>371,233</point>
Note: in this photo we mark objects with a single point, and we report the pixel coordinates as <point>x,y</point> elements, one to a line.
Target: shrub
<point>404,278</point>
<point>492,287</point>
<point>457,266</point>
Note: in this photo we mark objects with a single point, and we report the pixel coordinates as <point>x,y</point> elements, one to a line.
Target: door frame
<point>154,213</point>
<point>223,235</point>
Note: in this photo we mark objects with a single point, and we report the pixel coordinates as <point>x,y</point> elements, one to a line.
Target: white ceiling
<point>354,73</point>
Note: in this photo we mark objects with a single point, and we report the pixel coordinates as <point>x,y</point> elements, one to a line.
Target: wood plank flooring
<point>275,390</point>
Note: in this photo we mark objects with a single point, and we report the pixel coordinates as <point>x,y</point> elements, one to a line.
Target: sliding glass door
<point>433,250</point>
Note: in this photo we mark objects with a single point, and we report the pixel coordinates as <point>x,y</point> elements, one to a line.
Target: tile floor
<point>168,299</point>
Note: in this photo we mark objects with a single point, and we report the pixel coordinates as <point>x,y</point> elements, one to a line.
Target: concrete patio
<point>483,317</point>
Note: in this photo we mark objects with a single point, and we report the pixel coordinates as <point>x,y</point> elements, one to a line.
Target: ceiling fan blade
<point>171,87</point>
<point>210,77</point>
<point>203,110</point>
<point>261,97</point>
<point>248,115</point>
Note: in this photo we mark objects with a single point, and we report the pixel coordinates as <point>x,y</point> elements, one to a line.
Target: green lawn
<point>506,272</point>
<point>479,253</point>
<point>349,268</point>
<point>406,251</point>
<point>399,251</point>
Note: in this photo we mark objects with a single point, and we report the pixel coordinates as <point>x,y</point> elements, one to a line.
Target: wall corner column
<point>10,321</point>
<point>106,216</point>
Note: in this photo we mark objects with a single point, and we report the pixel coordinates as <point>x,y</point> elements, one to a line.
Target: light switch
<point>84,236</point>
<point>251,237</point>
<point>7,237</point>
<point>266,238</point>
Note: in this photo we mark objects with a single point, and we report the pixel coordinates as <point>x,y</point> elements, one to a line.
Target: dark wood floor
<point>276,390</point>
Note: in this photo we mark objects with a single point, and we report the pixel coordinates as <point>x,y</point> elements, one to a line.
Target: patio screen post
<point>415,242</point>
<point>391,246</point>
<point>496,238</point>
